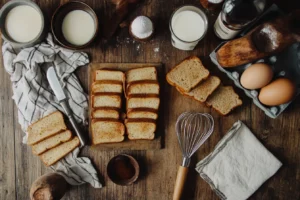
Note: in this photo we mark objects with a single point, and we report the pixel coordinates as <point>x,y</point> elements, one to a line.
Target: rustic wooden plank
<point>281,136</point>
<point>7,139</point>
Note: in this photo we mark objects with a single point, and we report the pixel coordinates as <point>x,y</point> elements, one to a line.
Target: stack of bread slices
<point>141,100</point>
<point>50,139</point>
<point>107,91</point>
<point>142,94</point>
<point>192,79</point>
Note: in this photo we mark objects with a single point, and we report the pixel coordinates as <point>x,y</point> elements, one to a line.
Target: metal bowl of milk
<point>188,25</point>
<point>22,23</point>
<point>74,25</point>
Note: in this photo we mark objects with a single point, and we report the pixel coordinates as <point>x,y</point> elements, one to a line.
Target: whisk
<point>192,130</point>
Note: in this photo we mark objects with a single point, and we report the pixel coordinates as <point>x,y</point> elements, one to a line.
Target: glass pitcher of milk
<point>188,25</point>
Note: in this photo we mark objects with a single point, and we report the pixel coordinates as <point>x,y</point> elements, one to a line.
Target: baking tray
<point>127,144</point>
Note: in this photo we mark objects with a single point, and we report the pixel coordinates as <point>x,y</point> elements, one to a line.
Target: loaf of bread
<point>238,52</point>
<point>45,127</point>
<point>187,74</point>
<point>224,100</point>
<point>53,155</point>
<point>107,131</point>
<point>140,129</point>
<point>51,142</point>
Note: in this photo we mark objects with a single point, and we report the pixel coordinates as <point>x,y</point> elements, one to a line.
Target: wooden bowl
<point>57,20</point>
<point>123,169</point>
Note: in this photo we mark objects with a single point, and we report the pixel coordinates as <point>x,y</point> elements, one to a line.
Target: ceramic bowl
<point>3,13</point>
<point>120,164</point>
<point>57,20</point>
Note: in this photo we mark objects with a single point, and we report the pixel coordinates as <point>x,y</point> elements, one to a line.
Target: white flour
<point>142,27</point>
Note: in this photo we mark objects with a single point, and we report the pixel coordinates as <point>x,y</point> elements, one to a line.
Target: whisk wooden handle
<point>180,180</point>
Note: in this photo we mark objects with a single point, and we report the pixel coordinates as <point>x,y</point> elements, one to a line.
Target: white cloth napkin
<point>238,165</point>
<point>35,99</point>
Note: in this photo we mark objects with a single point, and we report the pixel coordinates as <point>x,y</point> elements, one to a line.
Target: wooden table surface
<point>19,168</point>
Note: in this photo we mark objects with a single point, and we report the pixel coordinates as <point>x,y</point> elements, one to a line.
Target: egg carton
<point>285,64</point>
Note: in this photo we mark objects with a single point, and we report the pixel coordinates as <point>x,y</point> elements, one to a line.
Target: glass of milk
<point>188,25</point>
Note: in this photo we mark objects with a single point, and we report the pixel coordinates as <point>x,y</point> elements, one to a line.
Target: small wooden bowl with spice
<point>123,169</point>
<point>141,28</point>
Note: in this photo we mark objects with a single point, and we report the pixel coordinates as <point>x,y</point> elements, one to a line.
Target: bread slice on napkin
<point>187,74</point>
<point>143,87</point>
<point>140,129</point>
<point>141,74</point>
<point>107,131</point>
<point>51,142</point>
<point>53,155</point>
<point>224,100</point>
<point>45,127</point>
<point>205,89</point>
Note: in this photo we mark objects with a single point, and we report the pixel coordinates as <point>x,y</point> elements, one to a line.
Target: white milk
<point>23,23</point>
<point>78,27</point>
<point>188,25</point>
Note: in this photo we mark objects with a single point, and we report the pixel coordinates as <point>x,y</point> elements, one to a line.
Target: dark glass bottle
<point>235,15</point>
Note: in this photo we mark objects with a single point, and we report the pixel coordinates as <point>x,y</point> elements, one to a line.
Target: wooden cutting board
<point>127,144</point>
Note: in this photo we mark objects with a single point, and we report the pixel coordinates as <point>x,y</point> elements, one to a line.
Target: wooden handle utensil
<point>180,180</point>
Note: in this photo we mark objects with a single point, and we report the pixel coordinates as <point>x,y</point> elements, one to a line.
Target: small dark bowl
<point>141,39</point>
<point>59,15</point>
<point>122,164</point>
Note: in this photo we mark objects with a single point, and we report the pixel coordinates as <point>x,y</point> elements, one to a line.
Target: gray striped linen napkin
<point>35,99</point>
<point>238,165</point>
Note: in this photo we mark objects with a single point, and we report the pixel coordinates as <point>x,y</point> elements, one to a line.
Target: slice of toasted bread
<point>106,113</point>
<point>224,99</point>
<point>187,74</point>
<point>204,89</point>
<point>46,127</point>
<point>141,74</point>
<point>53,155</point>
<point>143,102</point>
<point>106,100</point>
<point>109,75</point>
<point>51,142</point>
<point>143,87</point>
<point>142,113</point>
<point>140,129</point>
<point>107,131</point>
<point>107,86</point>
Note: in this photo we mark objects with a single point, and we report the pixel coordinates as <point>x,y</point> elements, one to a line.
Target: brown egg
<point>256,76</point>
<point>278,92</point>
